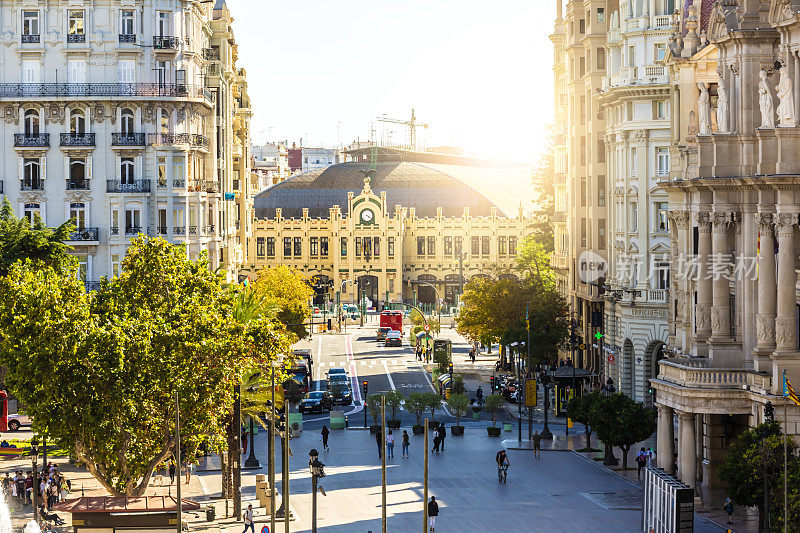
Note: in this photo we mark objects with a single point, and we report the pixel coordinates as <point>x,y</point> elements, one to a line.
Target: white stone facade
<point>125,115</point>
<point>636,103</point>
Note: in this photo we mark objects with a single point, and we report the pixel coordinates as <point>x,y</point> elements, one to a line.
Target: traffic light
<point>769,412</point>
<point>364,387</point>
<point>451,369</point>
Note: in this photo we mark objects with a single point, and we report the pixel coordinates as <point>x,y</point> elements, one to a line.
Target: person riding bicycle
<point>502,460</point>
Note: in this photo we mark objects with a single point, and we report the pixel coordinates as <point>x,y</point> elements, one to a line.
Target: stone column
<point>703,282</point>
<point>665,435</point>
<point>786,322</point>
<point>720,279</point>
<point>687,453</point>
<point>765,320</point>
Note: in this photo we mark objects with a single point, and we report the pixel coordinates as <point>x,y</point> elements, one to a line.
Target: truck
<point>392,319</point>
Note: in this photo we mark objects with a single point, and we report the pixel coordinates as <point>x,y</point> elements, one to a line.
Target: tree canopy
<point>98,372</point>
<point>21,239</point>
<point>288,291</point>
<point>622,422</point>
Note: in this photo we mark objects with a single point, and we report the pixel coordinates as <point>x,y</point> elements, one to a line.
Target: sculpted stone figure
<point>704,110</point>
<point>785,92</point>
<point>765,102</point>
<point>722,108</point>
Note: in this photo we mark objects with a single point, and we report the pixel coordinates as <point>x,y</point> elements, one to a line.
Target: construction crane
<point>412,125</point>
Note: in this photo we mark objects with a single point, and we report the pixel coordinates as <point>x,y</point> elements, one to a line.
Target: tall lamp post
<point>545,379</point>
<point>317,470</point>
<point>438,299</point>
<point>35,457</point>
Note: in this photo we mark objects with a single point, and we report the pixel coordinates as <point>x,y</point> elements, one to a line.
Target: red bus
<point>392,319</point>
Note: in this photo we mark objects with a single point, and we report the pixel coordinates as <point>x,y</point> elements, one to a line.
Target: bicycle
<point>502,473</point>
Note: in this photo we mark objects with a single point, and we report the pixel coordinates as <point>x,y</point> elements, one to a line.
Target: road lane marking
<point>389,375</point>
<point>348,343</point>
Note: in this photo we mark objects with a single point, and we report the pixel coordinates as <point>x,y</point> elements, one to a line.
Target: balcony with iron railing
<point>127,38</point>
<point>31,185</point>
<point>31,140</point>
<point>103,90</point>
<point>78,185</point>
<point>34,38</point>
<point>192,230</point>
<point>162,230</point>
<point>76,38</point>
<point>192,139</point>
<point>133,230</point>
<point>128,139</point>
<point>210,229</point>
<point>211,54</point>
<point>164,42</point>
<point>77,140</point>
<point>128,186</point>
<point>92,285</point>
<point>1,187</point>
<point>179,230</point>
<point>85,235</point>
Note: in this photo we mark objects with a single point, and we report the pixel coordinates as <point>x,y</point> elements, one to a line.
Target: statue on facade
<point>722,108</point>
<point>786,100</point>
<point>765,102</point>
<point>704,109</point>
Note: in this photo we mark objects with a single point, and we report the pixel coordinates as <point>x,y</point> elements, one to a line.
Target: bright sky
<point>479,72</point>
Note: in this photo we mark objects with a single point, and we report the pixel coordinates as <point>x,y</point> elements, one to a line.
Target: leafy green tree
<point>458,404</point>
<point>622,422</point>
<point>432,401</point>
<point>394,400</point>
<point>99,371</point>
<point>287,290</point>
<point>292,391</point>
<point>494,404</point>
<point>20,240</point>
<point>374,407</point>
<point>755,462</point>
<point>578,410</point>
<point>458,386</point>
<point>415,403</point>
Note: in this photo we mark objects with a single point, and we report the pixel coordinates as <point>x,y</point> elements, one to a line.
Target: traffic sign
<point>610,358</point>
<point>530,393</point>
<point>427,327</point>
<point>582,346</point>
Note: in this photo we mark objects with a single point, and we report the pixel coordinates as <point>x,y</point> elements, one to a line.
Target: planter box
<point>393,424</point>
<point>457,431</point>
<point>506,427</point>
<point>493,432</point>
<point>418,430</point>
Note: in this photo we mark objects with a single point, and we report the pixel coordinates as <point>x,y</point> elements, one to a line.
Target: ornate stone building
<point>635,100</point>
<point>414,231</point>
<point>130,117</point>
<point>734,201</point>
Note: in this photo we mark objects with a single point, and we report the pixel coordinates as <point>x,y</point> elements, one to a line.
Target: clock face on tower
<point>367,215</point>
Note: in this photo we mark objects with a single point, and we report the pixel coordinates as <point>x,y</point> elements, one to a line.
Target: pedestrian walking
<point>472,355</point>
<point>537,445</point>
<point>188,466</point>
<point>325,433</point>
<point>433,512</point>
<point>442,434</point>
<point>641,461</point>
<point>405,443</point>
<point>248,519</point>
<point>479,395</point>
<point>171,471</point>
<point>436,442</point>
<point>390,445</point>
<point>379,441</point>
<point>728,507</point>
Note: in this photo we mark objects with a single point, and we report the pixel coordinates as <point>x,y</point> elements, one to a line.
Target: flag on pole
<point>788,391</point>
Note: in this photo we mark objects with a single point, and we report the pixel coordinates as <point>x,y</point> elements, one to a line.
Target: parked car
<point>382,333</point>
<point>394,338</point>
<point>319,401</point>
<point>18,420</point>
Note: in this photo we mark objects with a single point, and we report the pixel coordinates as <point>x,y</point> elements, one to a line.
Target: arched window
<point>127,122</point>
<point>31,123</point>
<point>164,121</point>
<point>77,122</point>
<point>126,170</point>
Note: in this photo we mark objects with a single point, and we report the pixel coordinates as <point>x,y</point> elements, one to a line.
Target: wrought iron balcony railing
<point>57,90</point>
<point>179,230</point>
<point>132,186</point>
<point>1,187</point>
<point>133,230</point>
<point>210,229</point>
<point>31,185</point>
<point>76,37</point>
<point>78,140</point>
<point>211,54</point>
<point>163,42</point>
<point>127,38</point>
<point>28,140</point>
<point>78,185</point>
<point>127,139</point>
<point>179,183</point>
<point>31,39</point>
<point>85,235</point>
<point>92,285</point>
<point>192,230</point>
<point>114,230</point>
<point>162,230</point>
<point>192,139</point>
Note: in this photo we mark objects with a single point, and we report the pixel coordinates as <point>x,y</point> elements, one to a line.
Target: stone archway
<point>425,293</point>
<point>626,368</point>
<point>321,285</point>
<point>369,285</point>
<point>652,354</point>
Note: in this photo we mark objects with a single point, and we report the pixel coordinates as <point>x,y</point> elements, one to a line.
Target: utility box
<point>337,419</point>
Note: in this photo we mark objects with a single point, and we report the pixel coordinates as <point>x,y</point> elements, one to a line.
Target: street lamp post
<point>252,460</point>
<point>317,470</point>
<point>35,457</point>
<point>546,434</point>
<point>438,299</point>
<point>339,306</point>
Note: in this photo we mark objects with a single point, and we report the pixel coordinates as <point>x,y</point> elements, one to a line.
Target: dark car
<point>319,401</point>
<point>382,333</point>
<point>394,338</point>
<point>341,392</point>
